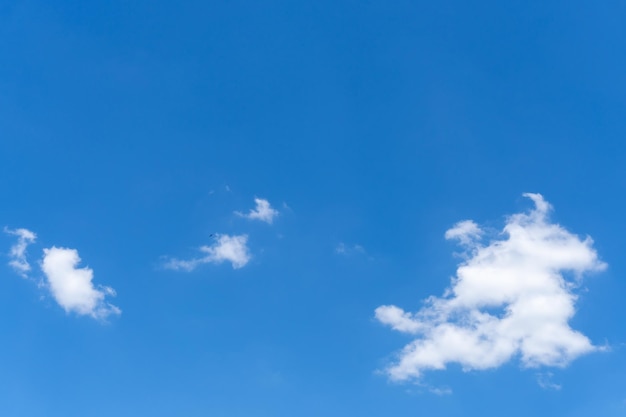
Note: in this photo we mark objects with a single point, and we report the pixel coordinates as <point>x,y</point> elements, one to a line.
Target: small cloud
<point>72,287</point>
<point>343,249</point>
<point>398,319</point>
<point>18,251</point>
<point>512,297</point>
<point>227,188</point>
<point>466,232</point>
<point>232,249</point>
<point>263,212</point>
<point>545,381</point>
<point>441,391</point>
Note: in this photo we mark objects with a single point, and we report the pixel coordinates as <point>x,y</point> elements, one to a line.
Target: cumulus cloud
<point>263,212</point>
<point>513,296</point>
<point>233,249</point>
<point>72,287</point>
<point>17,253</point>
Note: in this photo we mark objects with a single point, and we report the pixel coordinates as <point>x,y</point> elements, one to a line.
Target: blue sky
<point>263,196</point>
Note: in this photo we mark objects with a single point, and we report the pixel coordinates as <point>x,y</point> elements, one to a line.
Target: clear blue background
<point>379,123</point>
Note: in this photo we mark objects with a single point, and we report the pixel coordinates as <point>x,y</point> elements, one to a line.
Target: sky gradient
<point>229,208</point>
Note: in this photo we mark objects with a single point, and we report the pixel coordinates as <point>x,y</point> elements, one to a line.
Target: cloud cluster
<point>71,287</point>
<point>227,248</point>
<point>263,211</point>
<point>233,249</point>
<point>512,296</point>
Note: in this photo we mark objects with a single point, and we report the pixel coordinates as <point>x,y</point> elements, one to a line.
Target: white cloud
<point>398,319</point>
<point>72,287</point>
<point>508,298</point>
<point>18,251</point>
<point>545,381</point>
<point>263,211</point>
<point>233,249</point>
<point>465,232</point>
<point>343,249</point>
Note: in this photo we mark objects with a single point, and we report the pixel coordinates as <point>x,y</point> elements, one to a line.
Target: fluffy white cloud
<point>72,287</point>
<point>512,296</point>
<point>465,232</point>
<point>17,253</point>
<point>233,249</point>
<point>263,211</point>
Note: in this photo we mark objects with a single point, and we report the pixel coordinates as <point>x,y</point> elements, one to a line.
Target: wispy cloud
<point>544,379</point>
<point>233,249</point>
<point>72,287</point>
<point>509,297</point>
<point>17,253</point>
<point>343,249</point>
<point>263,211</point>
<point>441,391</point>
